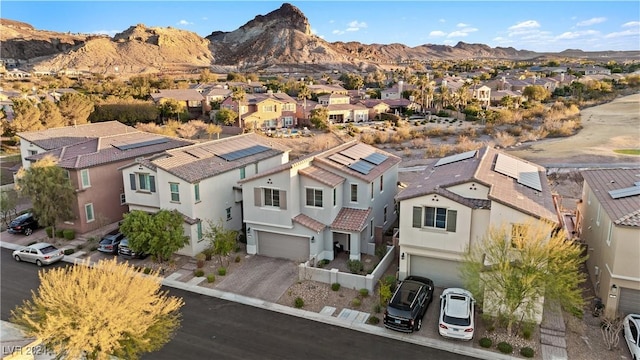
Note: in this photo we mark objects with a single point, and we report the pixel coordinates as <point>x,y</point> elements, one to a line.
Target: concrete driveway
<point>261,277</point>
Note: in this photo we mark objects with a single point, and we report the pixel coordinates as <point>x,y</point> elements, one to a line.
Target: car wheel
<point>419,326</point>
<point>28,231</point>
<point>38,262</point>
<point>17,258</point>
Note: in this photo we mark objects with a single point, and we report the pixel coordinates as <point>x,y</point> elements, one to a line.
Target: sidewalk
<point>347,319</point>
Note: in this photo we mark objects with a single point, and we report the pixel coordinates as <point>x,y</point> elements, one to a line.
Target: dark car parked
<point>23,224</point>
<point>409,304</point>
<point>109,243</point>
<point>126,251</point>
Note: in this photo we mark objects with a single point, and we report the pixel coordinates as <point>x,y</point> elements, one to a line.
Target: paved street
<point>215,328</point>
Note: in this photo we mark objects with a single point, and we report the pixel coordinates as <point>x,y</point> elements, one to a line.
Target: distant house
<point>192,99</point>
<point>201,182</point>
<point>271,110</point>
<point>318,89</point>
<point>608,221</point>
<point>308,209</point>
<point>91,154</point>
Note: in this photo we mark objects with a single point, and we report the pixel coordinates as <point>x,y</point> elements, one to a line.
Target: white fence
<point>351,281</point>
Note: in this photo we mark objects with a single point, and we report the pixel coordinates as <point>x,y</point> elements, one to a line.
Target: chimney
<point>400,83</point>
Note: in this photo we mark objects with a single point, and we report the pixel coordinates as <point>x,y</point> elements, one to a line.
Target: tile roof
<point>68,135</point>
<point>308,222</point>
<point>178,94</point>
<point>622,211</point>
<point>391,160</point>
<point>321,175</point>
<point>94,152</point>
<point>350,219</point>
<point>480,168</point>
<point>203,160</point>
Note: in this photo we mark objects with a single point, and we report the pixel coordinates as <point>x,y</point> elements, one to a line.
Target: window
<point>437,218</point>
<point>196,190</point>
<point>88,211</point>
<point>335,196</point>
<point>243,173</point>
<point>228,211</point>
<point>269,108</point>
<point>381,183</point>
<point>384,214</point>
<point>598,217</point>
<point>84,174</point>
<point>354,192</point>
<point>314,197</point>
<point>174,188</point>
<point>66,174</point>
<point>143,182</point>
<point>199,230</point>
<point>371,228</point>
<point>32,152</point>
<point>288,121</point>
<point>123,199</point>
<point>272,197</point>
<point>372,191</point>
<point>609,233</point>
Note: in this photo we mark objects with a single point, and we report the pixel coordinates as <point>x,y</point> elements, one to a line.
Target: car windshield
<point>124,242</point>
<point>106,241</point>
<point>48,249</point>
<point>457,321</point>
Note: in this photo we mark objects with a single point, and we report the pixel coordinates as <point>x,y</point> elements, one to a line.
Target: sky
<point>541,26</point>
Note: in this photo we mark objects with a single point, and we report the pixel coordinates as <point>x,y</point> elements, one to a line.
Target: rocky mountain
<point>278,40</point>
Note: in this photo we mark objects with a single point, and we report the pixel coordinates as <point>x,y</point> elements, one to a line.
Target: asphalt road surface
<point>217,329</point>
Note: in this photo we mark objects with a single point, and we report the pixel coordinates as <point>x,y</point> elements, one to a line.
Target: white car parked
<point>457,314</point>
<point>632,334</point>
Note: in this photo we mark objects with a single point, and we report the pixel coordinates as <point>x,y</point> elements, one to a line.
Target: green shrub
<point>49,231</point>
<point>355,266</point>
<point>356,302</point>
<point>377,308</point>
<point>373,320</point>
<point>238,258</point>
<point>211,278</point>
<point>147,270</point>
<point>198,273</point>
<point>364,292</point>
<point>505,347</point>
<point>527,352</point>
<point>208,253</point>
<point>69,251</point>
<point>69,234</point>
<point>391,281</point>
<point>335,286</point>
<point>527,330</point>
<point>298,302</point>
<point>222,271</point>
<point>93,248</point>
<point>59,233</point>
<point>486,342</point>
<point>322,263</point>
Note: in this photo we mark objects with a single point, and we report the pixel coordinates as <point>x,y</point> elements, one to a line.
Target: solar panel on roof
<point>358,151</point>
<point>141,144</point>
<point>341,159</point>
<point>506,165</point>
<point>375,158</point>
<point>239,154</point>
<point>524,173</point>
<point>530,179</point>
<point>456,158</point>
<point>622,193</point>
<point>362,167</point>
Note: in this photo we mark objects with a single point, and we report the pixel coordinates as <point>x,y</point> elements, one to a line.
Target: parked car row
<point>117,244</point>
<point>24,224</point>
<point>410,301</point>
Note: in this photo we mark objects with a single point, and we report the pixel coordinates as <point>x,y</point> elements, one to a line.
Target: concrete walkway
<point>552,333</point>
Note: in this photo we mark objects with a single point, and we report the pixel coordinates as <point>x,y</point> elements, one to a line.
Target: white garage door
<point>444,273</point>
<point>629,302</point>
<point>283,246</point>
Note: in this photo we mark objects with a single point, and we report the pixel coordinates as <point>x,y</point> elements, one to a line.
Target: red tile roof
<point>308,222</point>
<point>350,219</point>
<point>622,211</point>
<point>68,135</point>
<point>321,175</point>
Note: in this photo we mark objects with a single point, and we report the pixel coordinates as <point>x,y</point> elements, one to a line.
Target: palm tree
<point>304,93</point>
<point>239,96</point>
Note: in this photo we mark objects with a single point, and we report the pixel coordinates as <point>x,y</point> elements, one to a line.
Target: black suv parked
<point>109,243</point>
<point>23,224</point>
<point>409,304</point>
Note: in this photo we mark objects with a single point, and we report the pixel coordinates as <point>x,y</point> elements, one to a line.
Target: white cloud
<point>205,18</point>
<point>457,34</point>
<point>184,22</point>
<point>631,32</point>
<point>107,32</point>
<point>337,32</point>
<point>592,21</point>
<point>437,33</point>
<point>442,20</point>
<point>357,24</point>
<point>529,24</point>
<point>462,25</point>
<point>631,24</point>
<point>577,34</point>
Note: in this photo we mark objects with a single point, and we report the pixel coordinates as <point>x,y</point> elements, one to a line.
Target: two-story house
<point>91,154</point>
<point>451,205</point>
<point>335,200</point>
<point>200,181</point>
<point>608,219</point>
<point>271,110</point>
<point>193,101</point>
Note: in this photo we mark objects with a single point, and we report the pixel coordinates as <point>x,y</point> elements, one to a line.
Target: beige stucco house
<point>451,205</point>
<point>608,219</point>
<point>200,181</point>
<point>341,199</point>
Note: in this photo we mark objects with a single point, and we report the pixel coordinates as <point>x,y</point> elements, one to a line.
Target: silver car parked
<point>40,254</point>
